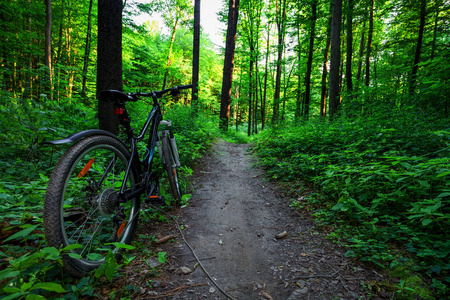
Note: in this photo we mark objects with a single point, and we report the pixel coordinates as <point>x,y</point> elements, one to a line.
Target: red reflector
<point>118,111</point>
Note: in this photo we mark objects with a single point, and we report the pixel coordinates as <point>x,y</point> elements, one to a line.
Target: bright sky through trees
<point>209,21</point>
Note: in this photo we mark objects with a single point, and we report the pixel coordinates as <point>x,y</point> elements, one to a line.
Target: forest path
<point>232,222</point>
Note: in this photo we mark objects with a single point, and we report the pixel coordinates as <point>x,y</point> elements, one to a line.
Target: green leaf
<point>75,255</point>
<point>436,206</point>
<point>162,257</point>
<point>406,165</point>
<point>51,252</point>
<point>338,206</point>
<point>94,256</point>
<point>424,183</point>
<point>122,246</point>
<point>22,233</point>
<point>8,273</point>
<point>425,222</point>
<point>71,247</point>
<point>443,174</point>
<point>14,296</point>
<point>49,286</point>
<point>11,290</point>
<point>35,297</point>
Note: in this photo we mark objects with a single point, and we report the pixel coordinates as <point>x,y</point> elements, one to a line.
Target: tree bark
<point>335,58</point>
<point>48,45</point>
<point>225,101</point>
<point>436,19</point>
<point>310,58</point>
<point>361,53</point>
<point>369,43</point>
<point>87,50</point>
<point>169,59</point>
<point>196,57</point>
<point>323,96</point>
<point>423,6</point>
<point>266,73</point>
<point>280,20</point>
<point>348,65</point>
<point>109,59</point>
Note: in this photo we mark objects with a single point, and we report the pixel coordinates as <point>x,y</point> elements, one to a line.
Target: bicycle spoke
<point>92,236</point>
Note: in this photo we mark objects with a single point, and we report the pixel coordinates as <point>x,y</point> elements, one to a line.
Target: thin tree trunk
<point>87,50</point>
<point>310,58</point>
<point>227,80</point>
<point>423,6</point>
<point>436,18</point>
<point>323,96</point>
<point>48,44</point>
<point>361,53</point>
<point>266,72</point>
<point>369,43</point>
<point>250,96</point>
<point>335,58</point>
<point>196,57</point>
<point>169,59</point>
<point>280,20</point>
<point>348,66</point>
<point>299,100</point>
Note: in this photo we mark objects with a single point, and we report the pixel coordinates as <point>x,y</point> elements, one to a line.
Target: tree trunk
<point>361,53</point>
<point>266,72</point>
<point>109,59</point>
<point>169,59</point>
<point>87,50</point>
<point>436,18</point>
<point>250,94</point>
<point>423,6</point>
<point>369,43</point>
<point>323,96</point>
<point>335,58</point>
<point>299,100</point>
<point>196,57</point>
<point>280,20</point>
<point>310,58</point>
<point>348,65</point>
<point>228,65</point>
<point>48,45</point>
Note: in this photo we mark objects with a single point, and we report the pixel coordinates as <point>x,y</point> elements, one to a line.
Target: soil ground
<point>251,243</point>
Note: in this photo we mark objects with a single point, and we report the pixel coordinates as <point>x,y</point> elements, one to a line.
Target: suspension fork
<point>172,140</point>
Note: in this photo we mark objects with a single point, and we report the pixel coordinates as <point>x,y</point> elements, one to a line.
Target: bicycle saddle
<point>115,97</point>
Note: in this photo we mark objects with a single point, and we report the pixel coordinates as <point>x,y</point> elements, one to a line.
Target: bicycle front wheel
<point>170,166</point>
<point>82,205</point>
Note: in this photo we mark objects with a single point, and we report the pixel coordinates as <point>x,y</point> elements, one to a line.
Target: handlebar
<point>173,91</point>
<point>121,98</point>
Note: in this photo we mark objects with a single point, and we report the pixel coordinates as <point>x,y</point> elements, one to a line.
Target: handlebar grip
<point>184,87</point>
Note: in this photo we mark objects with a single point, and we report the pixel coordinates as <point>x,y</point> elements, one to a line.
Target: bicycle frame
<point>152,122</point>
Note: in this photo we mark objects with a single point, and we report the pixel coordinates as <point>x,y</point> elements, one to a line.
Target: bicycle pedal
<point>155,199</point>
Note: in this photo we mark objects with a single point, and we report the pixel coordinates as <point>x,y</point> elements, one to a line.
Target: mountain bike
<point>93,198</point>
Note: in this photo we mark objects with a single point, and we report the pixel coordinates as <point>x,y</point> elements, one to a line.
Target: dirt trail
<point>232,223</point>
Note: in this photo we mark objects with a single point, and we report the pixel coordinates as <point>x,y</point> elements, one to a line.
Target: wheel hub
<point>108,201</point>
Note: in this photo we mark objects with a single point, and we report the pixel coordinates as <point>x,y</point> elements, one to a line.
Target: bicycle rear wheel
<point>170,166</point>
<point>82,204</point>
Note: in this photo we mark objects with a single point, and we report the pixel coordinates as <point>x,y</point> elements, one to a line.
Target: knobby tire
<point>82,200</point>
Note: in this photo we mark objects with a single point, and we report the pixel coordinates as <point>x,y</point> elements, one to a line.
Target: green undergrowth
<point>28,268</point>
<point>238,136</point>
<point>383,187</point>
